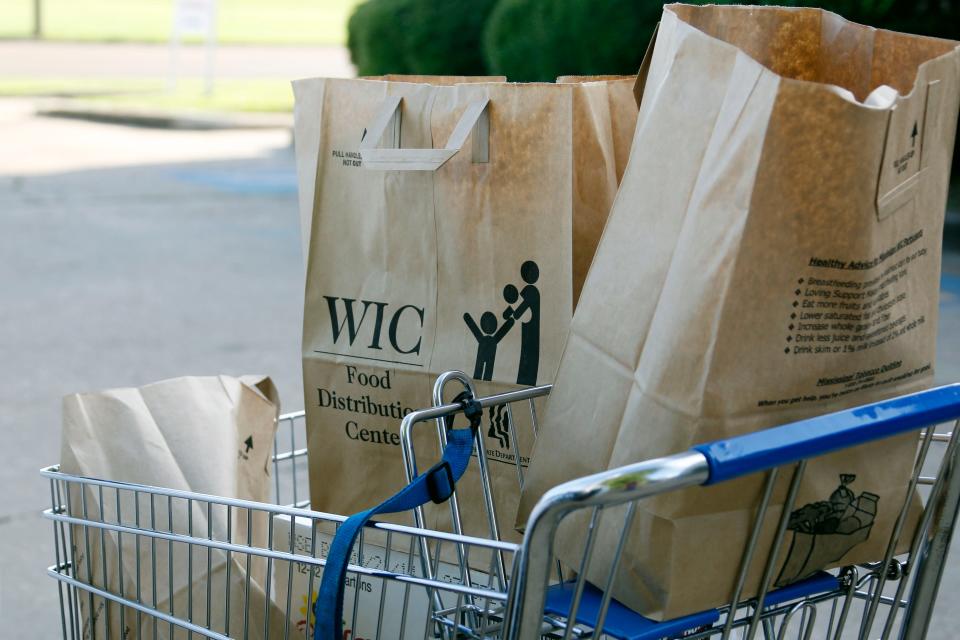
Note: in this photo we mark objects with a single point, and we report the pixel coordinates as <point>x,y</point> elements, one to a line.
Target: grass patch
<point>256,95</point>
<point>261,95</point>
<point>19,87</point>
<point>238,21</point>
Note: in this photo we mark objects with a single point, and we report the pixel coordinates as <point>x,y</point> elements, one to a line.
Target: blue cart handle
<point>763,450</point>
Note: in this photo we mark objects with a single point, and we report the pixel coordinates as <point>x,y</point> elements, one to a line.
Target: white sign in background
<point>194,18</point>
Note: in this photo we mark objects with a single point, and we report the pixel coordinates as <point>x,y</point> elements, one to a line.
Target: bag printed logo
<point>396,330</point>
<point>501,447</point>
<point>500,425</point>
<point>823,532</point>
<point>349,323</point>
<point>522,305</point>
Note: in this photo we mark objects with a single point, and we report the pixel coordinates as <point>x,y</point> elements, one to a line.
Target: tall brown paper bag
<point>773,253</point>
<point>451,227</point>
<point>187,434</point>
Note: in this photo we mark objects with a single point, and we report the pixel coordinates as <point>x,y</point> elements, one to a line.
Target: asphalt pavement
<point>130,255</point>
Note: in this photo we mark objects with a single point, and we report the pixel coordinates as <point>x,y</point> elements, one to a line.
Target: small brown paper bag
<point>211,435</point>
<point>773,253</point>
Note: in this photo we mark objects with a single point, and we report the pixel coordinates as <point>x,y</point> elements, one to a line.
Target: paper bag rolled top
<point>450,226</point>
<point>773,253</point>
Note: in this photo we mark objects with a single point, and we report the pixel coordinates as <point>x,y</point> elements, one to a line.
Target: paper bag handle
<point>475,118</point>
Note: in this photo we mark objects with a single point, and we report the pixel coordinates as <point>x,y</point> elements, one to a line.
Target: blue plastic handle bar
<point>763,450</point>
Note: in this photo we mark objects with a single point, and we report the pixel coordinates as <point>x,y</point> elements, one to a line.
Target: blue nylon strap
<point>329,606</point>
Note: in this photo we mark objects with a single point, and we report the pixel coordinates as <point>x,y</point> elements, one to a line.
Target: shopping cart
<point>409,581</point>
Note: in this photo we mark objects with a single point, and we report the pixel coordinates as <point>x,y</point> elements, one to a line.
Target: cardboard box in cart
<point>397,600</point>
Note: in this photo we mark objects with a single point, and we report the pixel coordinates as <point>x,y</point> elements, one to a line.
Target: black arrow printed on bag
<point>913,135</point>
<point>242,453</point>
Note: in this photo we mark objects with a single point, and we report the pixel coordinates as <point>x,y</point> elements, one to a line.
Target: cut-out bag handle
<point>475,118</point>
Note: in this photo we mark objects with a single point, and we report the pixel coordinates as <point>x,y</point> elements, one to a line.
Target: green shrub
<point>430,37</point>
<point>541,39</point>
<point>376,34</point>
<point>538,40</point>
<point>443,37</point>
<point>515,37</point>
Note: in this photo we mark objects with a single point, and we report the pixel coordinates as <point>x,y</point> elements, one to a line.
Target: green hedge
<point>444,36</point>
<point>430,37</point>
<point>375,37</point>
<point>540,39</point>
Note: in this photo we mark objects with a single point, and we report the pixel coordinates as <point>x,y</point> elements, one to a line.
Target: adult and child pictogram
<point>488,334</point>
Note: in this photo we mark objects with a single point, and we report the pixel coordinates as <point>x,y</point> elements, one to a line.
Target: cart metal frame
<point>514,596</point>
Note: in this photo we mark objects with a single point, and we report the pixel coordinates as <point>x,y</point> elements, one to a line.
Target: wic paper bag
<point>452,226</point>
<point>210,435</point>
<point>773,253</point>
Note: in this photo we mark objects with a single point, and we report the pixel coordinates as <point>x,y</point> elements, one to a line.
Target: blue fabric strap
<point>434,485</point>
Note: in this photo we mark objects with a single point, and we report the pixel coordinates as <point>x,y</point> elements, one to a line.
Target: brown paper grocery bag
<point>211,435</point>
<point>623,115</point>
<point>773,253</point>
<point>451,228</point>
